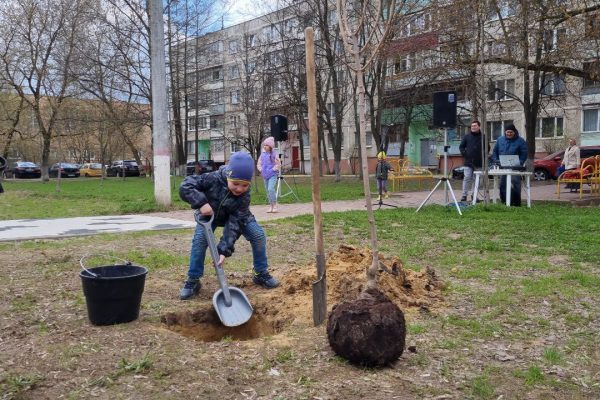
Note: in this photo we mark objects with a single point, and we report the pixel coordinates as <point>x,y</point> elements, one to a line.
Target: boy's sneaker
<point>464,198</point>
<point>265,279</point>
<point>190,289</point>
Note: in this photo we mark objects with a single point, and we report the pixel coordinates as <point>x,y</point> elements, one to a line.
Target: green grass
<point>513,279</point>
<point>553,356</point>
<point>113,196</point>
<point>481,388</point>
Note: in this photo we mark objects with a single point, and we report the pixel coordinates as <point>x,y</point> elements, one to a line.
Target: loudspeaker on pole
<point>279,127</point>
<point>444,109</point>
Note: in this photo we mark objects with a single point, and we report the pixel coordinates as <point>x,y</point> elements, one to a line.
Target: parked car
<point>123,168</point>
<point>545,168</point>
<point>23,169</point>
<point>91,169</point>
<point>205,166</point>
<point>67,170</point>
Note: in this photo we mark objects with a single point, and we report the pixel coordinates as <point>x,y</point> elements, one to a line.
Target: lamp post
<point>160,129</point>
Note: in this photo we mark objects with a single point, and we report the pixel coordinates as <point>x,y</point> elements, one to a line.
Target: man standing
<point>470,148</point>
<point>511,144</point>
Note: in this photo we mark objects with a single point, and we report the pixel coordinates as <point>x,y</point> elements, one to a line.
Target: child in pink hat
<point>269,165</point>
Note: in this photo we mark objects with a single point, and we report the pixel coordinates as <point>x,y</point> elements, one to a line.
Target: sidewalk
<point>25,229</point>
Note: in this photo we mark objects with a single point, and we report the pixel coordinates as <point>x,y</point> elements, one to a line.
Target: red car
<point>545,168</point>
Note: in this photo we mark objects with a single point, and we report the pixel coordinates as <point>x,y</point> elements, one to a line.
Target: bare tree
<point>38,47</point>
<point>11,112</point>
<point>364,28</point>
<point>545,41</point>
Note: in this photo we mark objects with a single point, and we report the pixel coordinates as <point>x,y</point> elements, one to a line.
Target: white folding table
<point>497,174</point>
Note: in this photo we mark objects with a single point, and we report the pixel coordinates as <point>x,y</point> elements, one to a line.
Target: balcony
<point>216,109</point>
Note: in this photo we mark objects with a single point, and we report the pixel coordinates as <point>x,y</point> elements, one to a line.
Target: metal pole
<point>446,165</point>
<point>160,133</point>
<point>483,119</point>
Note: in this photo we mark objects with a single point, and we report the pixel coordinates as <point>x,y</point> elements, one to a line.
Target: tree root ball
<point>369,331</point>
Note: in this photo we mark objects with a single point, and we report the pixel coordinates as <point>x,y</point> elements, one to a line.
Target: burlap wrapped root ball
<point>369,331</point>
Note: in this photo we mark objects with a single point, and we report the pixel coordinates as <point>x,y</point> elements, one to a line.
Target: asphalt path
<point>56,228</point>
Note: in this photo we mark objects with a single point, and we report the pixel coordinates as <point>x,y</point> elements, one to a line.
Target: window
<point>305,139</point>
<point>191,148</point>
<point>331,110</point>
<point>593,68</point>
<point>417,24</point>
<point>550,127</point>
<point>590,120</point>
<point>505,9</point>
<point>233,46</point>
<point>496,128</point>
<point>215,47</point>
<point>291,25</point>
<point>592,26</point>
<point>250,40</point>
<point>250,67</point>
<point>339,75</point>
<point>553,38</point>
<point>502,89</point>
<point>234,121</point>
<point>234,72</point>
<point>251,93</point>
<point>214,123</point>
<point>406,63</point>
<point>235,96</point>
<point>369,139</point>
<point>495,48</point>
<point>553,84</point>
<point>202,122</point>
<point>216,74</point>
<point>215,97</point>
<point>191,123</point>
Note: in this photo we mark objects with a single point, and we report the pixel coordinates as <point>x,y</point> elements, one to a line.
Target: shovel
<point>231,304</point>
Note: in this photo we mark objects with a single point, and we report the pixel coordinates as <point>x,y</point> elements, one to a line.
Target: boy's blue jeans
<point>253,233</point>
<point>270,185</point>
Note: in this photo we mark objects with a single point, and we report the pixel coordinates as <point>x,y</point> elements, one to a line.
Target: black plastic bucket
<point>113,293</point>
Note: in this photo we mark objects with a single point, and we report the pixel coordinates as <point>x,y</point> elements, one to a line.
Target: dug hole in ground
<point>291,303</point>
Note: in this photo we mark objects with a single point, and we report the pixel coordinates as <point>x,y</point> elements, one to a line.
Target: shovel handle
<point>206,223</point>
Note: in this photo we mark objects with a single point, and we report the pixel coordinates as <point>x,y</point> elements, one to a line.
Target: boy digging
<point>225,193</point>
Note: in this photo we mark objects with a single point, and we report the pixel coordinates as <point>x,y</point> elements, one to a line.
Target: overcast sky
<point>244,10</point>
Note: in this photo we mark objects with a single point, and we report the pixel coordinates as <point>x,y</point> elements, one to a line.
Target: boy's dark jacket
<point>231,212</point>
<point>382,169</point>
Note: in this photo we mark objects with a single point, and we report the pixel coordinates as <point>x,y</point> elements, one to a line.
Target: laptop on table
<point>511,162</point>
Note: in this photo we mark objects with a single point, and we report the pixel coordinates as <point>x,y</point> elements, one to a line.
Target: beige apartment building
<point>225,77</point>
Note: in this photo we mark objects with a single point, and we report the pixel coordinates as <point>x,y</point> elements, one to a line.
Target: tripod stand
<point>280,179</point>
<point>380,199</point>
<point>444,179</point>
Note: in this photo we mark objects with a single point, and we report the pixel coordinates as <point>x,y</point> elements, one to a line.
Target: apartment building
<point>437,49</point>
<point>231,89</point>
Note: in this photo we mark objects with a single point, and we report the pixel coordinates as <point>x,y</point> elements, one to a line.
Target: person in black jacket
<point>225,194</point>
<point>470,148</point>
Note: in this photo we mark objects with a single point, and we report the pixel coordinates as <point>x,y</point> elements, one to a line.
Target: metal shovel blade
<point>231,304</point>
<point>240,310</point>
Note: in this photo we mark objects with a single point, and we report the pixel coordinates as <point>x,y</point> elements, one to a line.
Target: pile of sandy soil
<point>291,302</point>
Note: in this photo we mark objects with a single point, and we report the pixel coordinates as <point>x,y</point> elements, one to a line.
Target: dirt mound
<point>346,278</point>
<point>291,302</point>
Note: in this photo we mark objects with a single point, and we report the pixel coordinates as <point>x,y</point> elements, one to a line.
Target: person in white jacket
<point>571,160</point>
